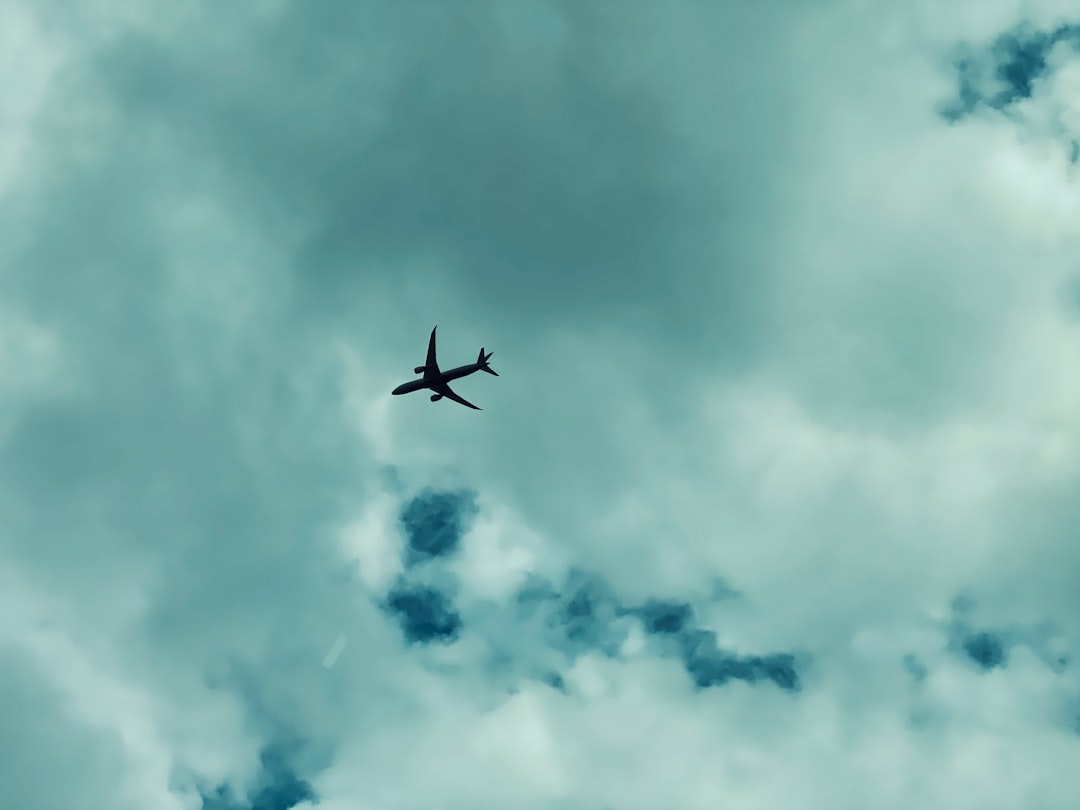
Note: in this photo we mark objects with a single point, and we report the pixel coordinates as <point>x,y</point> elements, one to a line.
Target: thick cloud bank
<point>772,506</point>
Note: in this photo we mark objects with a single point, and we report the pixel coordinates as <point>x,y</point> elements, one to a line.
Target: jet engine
<point>418,370</point>
<point>436,397</point>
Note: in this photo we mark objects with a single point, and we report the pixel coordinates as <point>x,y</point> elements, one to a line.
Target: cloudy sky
<point>772,506</point>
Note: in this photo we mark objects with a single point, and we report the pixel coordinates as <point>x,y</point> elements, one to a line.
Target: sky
<point>771,506</point>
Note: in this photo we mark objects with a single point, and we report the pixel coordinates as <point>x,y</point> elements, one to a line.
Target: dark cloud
<point>555,681</point>
<point>278,788</point>
<point>425,614</point>
<point>585,613</point>
<point>434,523</point>
<point>282,789</point>
<point>1006,71</point>
<point>705,662</point>
<point>708,665</point>
<point>553,191</point>
<point>665,617</point>
<point>972,634</point>
<point>986,649</point>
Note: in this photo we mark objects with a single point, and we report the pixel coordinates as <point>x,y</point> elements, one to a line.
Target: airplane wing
<point>444,389</point>
<point>431,365</point>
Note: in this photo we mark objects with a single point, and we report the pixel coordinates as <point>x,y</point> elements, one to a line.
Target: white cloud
<point>767,322</point>
<point>374,542</point>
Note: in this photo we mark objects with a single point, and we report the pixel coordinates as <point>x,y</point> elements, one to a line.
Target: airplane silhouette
<point>438,381</point>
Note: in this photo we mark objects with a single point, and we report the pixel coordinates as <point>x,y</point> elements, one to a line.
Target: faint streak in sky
<point>335,651</point>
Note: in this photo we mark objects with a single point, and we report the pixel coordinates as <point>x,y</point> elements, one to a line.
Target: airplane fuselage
<point>444,377</point>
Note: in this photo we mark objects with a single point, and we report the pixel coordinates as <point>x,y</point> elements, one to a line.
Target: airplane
<point>437,380</point>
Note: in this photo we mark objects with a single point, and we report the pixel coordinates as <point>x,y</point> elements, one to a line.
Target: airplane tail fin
<point>482,361</point>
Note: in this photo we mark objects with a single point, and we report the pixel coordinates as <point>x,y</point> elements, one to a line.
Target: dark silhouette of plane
<point>438,381</point>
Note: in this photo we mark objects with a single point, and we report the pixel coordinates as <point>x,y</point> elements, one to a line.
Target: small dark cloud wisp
<point>709,665</point>
<point>434,523</point>
<point>914,666</point>
<point>425,614</point>
<point>665,617</point>
<point>985,649</point>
